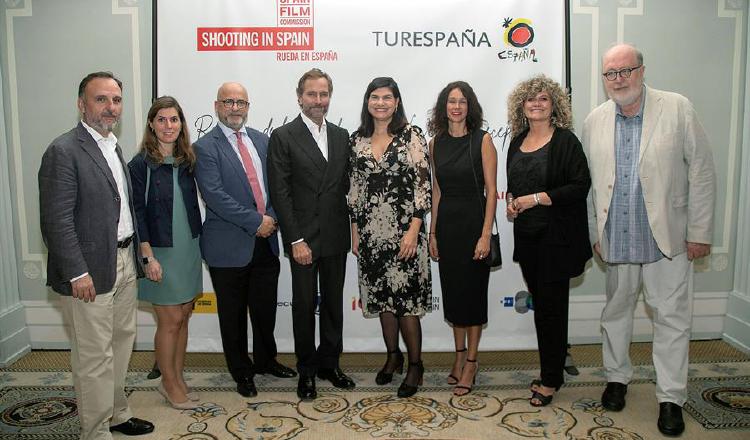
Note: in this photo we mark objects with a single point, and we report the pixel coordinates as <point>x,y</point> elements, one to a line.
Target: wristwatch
<point>146,260</point>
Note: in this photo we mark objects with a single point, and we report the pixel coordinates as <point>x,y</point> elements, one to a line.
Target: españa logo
<point>518,36</point>
<point>518,32</point>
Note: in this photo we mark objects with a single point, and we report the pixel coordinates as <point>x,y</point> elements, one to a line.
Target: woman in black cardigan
<point>548,180</point>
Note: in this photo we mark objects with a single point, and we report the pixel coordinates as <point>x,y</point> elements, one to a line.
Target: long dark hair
<point>183,149</point>
<point>438,124</point>
<point>399,121</point>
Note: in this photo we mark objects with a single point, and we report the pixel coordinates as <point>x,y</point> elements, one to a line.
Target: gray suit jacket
<point>80,208</point>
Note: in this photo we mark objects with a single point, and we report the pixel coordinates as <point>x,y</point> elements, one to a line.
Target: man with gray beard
<point>87,218</point>
<point>652,195</point>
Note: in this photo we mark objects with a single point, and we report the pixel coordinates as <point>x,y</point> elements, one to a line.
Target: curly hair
<point>562,115</point>
<point>183,149</point>
<point>438,123</point>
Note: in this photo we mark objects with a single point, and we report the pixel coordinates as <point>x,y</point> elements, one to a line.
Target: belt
<point>122,244</point>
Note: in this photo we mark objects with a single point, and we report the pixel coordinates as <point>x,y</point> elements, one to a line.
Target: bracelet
<point>536,198</point>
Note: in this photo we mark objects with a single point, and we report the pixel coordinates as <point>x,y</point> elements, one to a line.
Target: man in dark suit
<point>86,217</point>
<point>239,241</point>
<point>308,162</point>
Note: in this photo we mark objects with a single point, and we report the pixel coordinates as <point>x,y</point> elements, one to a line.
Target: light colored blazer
<point>675,167</point>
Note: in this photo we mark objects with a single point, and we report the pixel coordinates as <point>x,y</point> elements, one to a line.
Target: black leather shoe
<point>246,387</point>
<point>670,419</point>
<point>336,377</point>
<point>276,369</point>
<point>133,426</point>
<point>613,397</point>
<point>306,388</point>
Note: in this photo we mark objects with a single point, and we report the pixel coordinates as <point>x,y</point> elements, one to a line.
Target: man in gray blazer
<point>653,191</point>
<point>93,261</point>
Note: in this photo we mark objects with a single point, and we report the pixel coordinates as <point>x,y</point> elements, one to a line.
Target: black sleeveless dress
<point>459,225</point>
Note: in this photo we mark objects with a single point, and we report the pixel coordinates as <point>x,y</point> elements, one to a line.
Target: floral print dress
<point>384,195</point>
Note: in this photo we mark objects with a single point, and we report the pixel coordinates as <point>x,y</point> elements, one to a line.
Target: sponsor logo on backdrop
<point>518,35</point>
<point>522,302</point>
<point>206,303</point>
<point>293,37</point>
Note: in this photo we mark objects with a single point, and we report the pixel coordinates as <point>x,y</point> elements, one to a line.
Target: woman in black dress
<point>389,195</point>
<point>464,198</point>
<point>549,178</point>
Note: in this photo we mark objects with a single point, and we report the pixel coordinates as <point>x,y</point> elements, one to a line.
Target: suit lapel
<point>303,137</point>
<point>651,112</point>
<point>92,149</point>
<point>608,144</point>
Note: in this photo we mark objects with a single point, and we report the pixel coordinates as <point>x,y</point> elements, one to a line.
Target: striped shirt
<point>628,233</point>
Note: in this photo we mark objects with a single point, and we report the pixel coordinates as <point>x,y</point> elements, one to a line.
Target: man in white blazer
<point>653,191</point>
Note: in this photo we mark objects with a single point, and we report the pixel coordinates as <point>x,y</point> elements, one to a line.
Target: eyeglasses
<point>240,103</point>
<point>624,73</point>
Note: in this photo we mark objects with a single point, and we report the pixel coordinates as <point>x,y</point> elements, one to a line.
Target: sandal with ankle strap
<point>543,400</point>
<point>453,380</point>
<point>464,387</point>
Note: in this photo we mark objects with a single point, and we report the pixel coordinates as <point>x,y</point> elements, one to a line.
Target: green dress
<point>182,272</point>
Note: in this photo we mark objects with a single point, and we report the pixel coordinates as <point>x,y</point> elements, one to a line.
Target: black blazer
<point>566,241</point>
<point>79,208</point>
<point>308,192</point>
<point>154,220</point>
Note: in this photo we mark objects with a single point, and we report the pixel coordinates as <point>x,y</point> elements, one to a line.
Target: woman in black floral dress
<point>388,197</point>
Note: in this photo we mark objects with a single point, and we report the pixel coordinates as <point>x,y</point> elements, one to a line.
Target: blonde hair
<point>562,115</point>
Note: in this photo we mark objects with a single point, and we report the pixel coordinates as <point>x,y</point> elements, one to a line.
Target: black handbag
<point>494,258</point>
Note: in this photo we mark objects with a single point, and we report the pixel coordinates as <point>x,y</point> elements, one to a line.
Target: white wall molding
<point>734,120</point>
<point>622,12</point>
<point>593,11</point>
<point>135,45</point>
<point>47,329</point>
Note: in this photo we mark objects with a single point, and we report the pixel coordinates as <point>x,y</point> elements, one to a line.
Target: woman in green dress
<point>169,224</point>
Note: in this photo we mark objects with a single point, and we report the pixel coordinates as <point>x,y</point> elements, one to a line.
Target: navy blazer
<point>232,218</point>
<point>154,219</point>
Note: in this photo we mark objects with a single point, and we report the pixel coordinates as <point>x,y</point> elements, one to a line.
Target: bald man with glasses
<point>239,241</point>
<point>653,192</point>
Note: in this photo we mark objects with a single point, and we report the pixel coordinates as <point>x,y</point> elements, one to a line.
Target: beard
<point>102,126</point>
<point>626,97</point>
<point>237,125</point>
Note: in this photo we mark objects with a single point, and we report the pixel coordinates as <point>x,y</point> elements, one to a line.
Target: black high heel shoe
<point>406,390</point>
<point>453,380</point>
<point>385,377</point>
<point>464,389</point>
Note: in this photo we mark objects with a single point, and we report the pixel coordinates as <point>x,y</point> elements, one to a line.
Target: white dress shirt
<point>254,156</point>
<point>320,134</point>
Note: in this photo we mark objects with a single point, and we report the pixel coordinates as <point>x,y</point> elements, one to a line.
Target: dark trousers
<point>238,289</point>
<point>330,271</point>
<point>550,302</point>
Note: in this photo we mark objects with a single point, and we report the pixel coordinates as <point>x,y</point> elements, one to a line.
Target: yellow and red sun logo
<point>518,32</point>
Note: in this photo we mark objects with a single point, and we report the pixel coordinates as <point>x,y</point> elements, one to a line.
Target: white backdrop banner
<point>423,44</point>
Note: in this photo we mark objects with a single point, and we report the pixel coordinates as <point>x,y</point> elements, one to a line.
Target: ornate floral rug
<point>40,405</point>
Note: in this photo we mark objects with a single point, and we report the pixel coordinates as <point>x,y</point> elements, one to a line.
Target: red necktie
<point>252,176</point>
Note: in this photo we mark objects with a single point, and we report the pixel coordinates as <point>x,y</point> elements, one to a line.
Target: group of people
<point>645,161</point>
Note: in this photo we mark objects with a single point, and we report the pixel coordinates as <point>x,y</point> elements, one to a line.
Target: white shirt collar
<point>98,138</point>
<point>312,126</point>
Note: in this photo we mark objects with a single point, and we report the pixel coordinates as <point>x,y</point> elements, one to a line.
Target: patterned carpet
<point>37,402</point>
